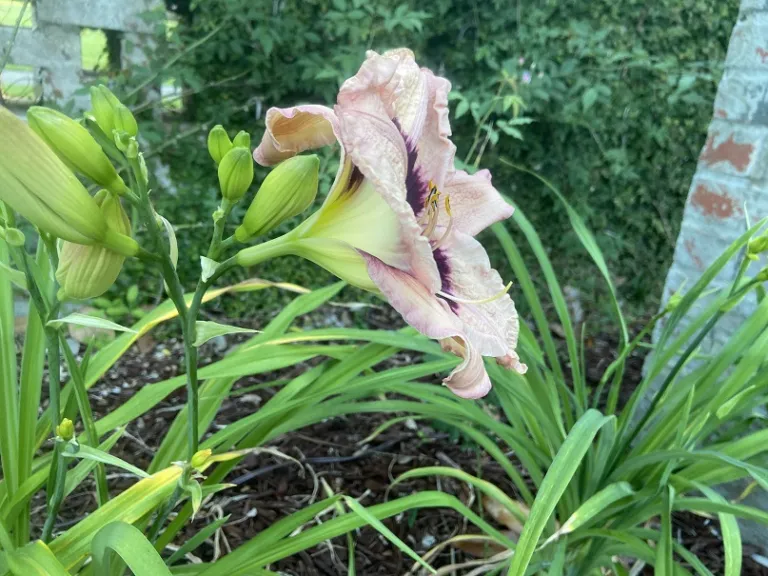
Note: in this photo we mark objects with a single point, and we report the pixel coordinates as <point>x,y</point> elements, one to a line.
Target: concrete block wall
<point>52,46</point>
<point>730,186</point>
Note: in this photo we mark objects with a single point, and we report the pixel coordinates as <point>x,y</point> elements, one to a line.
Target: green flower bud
<point>200,458</point>
<point>89,271</point>
<point>757,247</point>
<point>286,192</point>
<point>762,276</point>
<point>103,104</point>
<point>66,430</point>
<point>75,146</point>
<point>242,139</point>
<point>125,122</point>
<point>218,143</point>
<point>37,185</point>
<point>13,236</point>
<point>235,173</point>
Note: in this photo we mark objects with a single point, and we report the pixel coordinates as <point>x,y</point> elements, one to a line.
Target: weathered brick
<point>743,97</point>
<point>735,149</point>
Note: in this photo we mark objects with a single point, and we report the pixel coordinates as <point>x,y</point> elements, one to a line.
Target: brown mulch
<point>268,488</point>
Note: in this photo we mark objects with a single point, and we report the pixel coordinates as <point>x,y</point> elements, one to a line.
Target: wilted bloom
<point>235,173</point>
<point>286,192</point>
<point>526,77</point>
<point>399,219</point>
<point>218,143</point>
<point>75,146</point>
<point>89,271</point>
<point>37,184</point>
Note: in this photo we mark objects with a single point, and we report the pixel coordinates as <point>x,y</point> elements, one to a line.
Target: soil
<point>269,488</point>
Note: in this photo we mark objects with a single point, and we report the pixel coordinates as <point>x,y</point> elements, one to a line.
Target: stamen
<point>481,301</point>
<point>449,229</point>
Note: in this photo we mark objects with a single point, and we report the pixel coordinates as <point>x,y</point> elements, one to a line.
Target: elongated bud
<point>66,430</point>
<point>75,146</point>
<point>125,122</point>
<point>286,192</point>
<point>103,104</point>
<point>37,184</point>
<point>89,271</point>
<point>218,143</point>
<point>242,139</point>
<point>235,173</point>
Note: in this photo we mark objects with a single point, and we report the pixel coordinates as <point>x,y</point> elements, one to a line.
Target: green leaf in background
<point>664,560</point>
<point>96,455</point>
<point>35,559</point>
<point>205,331</point>
<point>89,321</point>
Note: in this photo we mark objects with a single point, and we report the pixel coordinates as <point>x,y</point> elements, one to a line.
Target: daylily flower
<point>400,219</point>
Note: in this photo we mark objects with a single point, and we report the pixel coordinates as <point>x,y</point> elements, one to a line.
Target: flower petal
<point>432,317</point>
<point>475,203</point>
<point>491,327</point>
<point>374,144</point>
<point>469,379</point>
<point>291,131</point>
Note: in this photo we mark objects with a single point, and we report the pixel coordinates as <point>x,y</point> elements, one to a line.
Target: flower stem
<point>56,490</point>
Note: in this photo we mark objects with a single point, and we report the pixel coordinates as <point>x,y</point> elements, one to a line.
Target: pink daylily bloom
<point>400,219</point>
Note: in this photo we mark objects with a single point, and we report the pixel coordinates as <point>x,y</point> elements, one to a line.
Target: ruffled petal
<point>432,317</point>
<point>376,147</point>
<point>291,131</point>
<point>467,277</point>
<point>475,203</point>
<point>469,379</point>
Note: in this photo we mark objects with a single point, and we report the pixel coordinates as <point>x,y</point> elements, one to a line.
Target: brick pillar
<point>731,179</point>
<point>730,183</point>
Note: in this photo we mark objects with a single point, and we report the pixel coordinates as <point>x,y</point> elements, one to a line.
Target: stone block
<point>108,14</point>
<point>41,46</point>
<point>743,97</point>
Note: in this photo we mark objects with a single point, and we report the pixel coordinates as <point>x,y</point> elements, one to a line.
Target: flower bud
<point>103,104</point>
<point>242,139</point>
<point>125,122</point>
<point>235,173</point>
<point>75,146</point>
<point>757,247</point>
<point>286,192</point>
<point>218,143</point>
<point>200,458</point>
<point>89,271</point>
<point>37,185</point>
<point>66,430</point>
<point>13,236</point>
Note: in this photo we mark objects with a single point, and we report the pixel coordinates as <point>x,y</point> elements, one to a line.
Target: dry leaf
<point>504,517</point>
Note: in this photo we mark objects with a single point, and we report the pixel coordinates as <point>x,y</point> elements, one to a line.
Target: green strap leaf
<point>35,559</point>
<point>89,321</point>
<point>664,560</point>
<point>90,453</point>
<point>205,331</point>
<point>131,545</point>
<point>555,483</point>
<point>196,540</point>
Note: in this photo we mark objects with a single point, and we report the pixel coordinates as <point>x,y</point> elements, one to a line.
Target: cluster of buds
<point>38,162</point>
<point>286,192</point>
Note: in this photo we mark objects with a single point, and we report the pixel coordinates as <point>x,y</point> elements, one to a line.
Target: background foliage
<point>614,100</point>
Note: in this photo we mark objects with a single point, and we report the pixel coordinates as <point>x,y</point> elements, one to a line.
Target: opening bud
<point>66,430</point>
<point>89,271</point>
<point>286,192</point>
<point>235,173</point>
<point>242,139</point>
<point>218,143</point>
<point>75,146</point>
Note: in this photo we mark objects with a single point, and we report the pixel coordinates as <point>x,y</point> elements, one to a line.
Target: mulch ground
<point>269,488</point>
